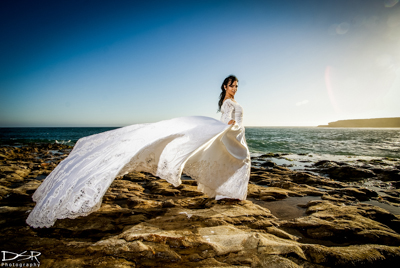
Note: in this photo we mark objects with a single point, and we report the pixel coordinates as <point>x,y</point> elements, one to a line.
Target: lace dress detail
<point>210,151</point>
<point>231,110</point>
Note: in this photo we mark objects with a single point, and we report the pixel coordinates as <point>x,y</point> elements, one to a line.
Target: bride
<point>212,152</point>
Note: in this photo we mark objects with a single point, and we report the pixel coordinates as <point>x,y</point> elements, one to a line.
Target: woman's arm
<point>227,110</point>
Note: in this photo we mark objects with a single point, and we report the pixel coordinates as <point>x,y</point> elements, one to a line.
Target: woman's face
<point>231,88</point>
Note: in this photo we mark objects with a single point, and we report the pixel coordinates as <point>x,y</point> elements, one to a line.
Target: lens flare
<point>328,84</point>
<point>342,28</point>
<point>391,3</point>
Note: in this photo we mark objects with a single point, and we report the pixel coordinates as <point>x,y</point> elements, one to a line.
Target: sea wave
<point>68,142</point>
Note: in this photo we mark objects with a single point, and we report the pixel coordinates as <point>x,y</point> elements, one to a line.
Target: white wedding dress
<point>212,152</point>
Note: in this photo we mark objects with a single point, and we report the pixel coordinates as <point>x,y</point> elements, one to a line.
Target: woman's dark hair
<point>228,81</point>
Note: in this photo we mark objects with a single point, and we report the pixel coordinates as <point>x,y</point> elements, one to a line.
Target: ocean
<point>368,142</point>
<point>324,143</point>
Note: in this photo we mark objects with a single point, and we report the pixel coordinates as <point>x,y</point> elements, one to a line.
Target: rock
<point>268,164</point>
<point>169,203</point>
<point>189,190</point>
<point>281,170</point>
<point>326,164</point>
<point>336,199</point>
<point>362,194</point>
<point>91,222</point>
<point>355,223</point>
<point>277,193</point>
<point>393,192</point>
<point>134,202</point>
<point>19,195</point>
<point>256,191</point>
<point>269,155</point>
<point>267,198</point>
<point>396,184</point>
<point>352,256</point>
<point>137,177</point>
<point>146,222</point>
<point>7,169</point>
<point>392,199</point>
<point>162,188</point>
<point>390,175</point>
<point>124,186</point>
<point>309,179</point>
<point>28,188</point>
<point>349,173</point>
<point>305,189</point>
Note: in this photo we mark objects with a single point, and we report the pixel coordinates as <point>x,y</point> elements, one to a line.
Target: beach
<point>291,106</point>
<point>300,212</point>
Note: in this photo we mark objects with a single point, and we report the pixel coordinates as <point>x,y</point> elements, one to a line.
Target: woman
<point>212,152</point>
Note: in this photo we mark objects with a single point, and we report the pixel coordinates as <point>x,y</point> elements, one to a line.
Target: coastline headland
<point>392,122</point>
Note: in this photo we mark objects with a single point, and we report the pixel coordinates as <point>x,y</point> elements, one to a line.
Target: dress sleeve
<point>227,110</point>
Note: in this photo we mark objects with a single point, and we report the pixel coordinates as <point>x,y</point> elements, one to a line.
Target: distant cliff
<point>374,122</point>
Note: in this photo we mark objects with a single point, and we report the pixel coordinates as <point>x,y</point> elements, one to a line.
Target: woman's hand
<point>232,122</point>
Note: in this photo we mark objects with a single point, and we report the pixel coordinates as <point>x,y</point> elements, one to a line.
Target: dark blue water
<point>293,140</point>
<point>61,135</point>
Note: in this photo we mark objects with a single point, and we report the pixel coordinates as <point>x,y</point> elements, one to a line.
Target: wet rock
<point>349,173</point>
<point>268,164</point>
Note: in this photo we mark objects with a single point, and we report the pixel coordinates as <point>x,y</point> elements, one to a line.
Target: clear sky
<point>116,63</point>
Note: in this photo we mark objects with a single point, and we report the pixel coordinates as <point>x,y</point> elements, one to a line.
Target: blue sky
<point>116,63</point>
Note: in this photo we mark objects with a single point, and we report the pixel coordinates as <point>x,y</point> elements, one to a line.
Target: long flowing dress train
<point>210,151</point>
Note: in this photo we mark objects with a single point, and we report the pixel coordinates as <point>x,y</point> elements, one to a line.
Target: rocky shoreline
<point>391,122</point>
<point>326,214</point>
